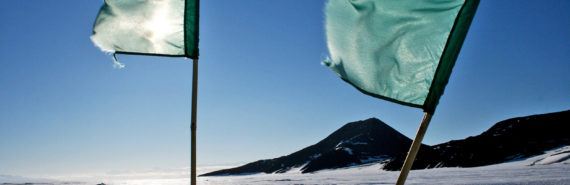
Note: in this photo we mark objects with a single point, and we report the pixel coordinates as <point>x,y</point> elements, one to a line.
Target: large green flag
<point>148,27</point>
<point>397,50</point>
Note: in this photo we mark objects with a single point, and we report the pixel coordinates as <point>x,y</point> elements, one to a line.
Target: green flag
<point>402,51</point>
<point>145,27</point>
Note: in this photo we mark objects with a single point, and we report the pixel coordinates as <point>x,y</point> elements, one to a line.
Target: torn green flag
<point>402,51</point>
<point>148,27</point>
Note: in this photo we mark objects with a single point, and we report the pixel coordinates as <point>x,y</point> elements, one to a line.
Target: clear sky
<point>64,110</point>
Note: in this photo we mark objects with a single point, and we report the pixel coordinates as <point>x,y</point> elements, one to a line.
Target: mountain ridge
<point>337,150</point>
<point>510,139</point>
<point>373,141</point>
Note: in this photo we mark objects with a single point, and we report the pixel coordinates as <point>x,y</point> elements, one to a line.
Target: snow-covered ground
<point>552,167</point>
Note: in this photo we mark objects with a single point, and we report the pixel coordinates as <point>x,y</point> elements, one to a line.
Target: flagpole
<point>193,125</point>
<point>414,149</point>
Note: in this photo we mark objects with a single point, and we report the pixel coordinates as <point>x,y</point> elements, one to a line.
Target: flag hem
<point>184,27</point>
<point>382,97</point>
<point>193,54</point>
<point>449,56</point>
<point>148,54</point>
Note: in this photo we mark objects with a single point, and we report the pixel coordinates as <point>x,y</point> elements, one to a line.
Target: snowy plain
<point>553,167</point>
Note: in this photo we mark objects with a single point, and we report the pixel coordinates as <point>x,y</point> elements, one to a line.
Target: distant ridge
<point>507,140</point>
<point>373,141</point>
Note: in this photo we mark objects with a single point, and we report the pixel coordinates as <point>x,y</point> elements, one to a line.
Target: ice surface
<point>561,155</point>
<point>515,172</point>
<point>524,171</point>
<point>555,159</point>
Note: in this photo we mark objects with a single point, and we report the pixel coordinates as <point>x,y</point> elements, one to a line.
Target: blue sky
<point>262,92</point>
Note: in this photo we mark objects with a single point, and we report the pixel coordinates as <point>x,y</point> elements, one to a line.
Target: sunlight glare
<point>160,26</point>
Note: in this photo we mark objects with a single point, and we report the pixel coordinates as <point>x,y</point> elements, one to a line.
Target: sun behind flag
<point>402,51</point>
<point>153,27</point>
<point>162,28</point>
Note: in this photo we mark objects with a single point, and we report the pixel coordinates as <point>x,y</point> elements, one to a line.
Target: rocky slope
<point>355,143</point>
<point>507,140</point>
<point>372,141</point>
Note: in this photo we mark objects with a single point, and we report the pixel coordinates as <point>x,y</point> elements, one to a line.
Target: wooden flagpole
<point>414,149</point>
<point>193,125</point>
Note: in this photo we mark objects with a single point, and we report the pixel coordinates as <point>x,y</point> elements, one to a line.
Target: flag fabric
<point>402,51</point>
<point>148,27</point>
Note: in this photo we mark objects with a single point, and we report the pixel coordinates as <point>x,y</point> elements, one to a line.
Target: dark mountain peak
<point>372,140</point>
<point>371,128</point>
<point>367,124</point>
<point>354,143</point>
<point>362,125</point>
